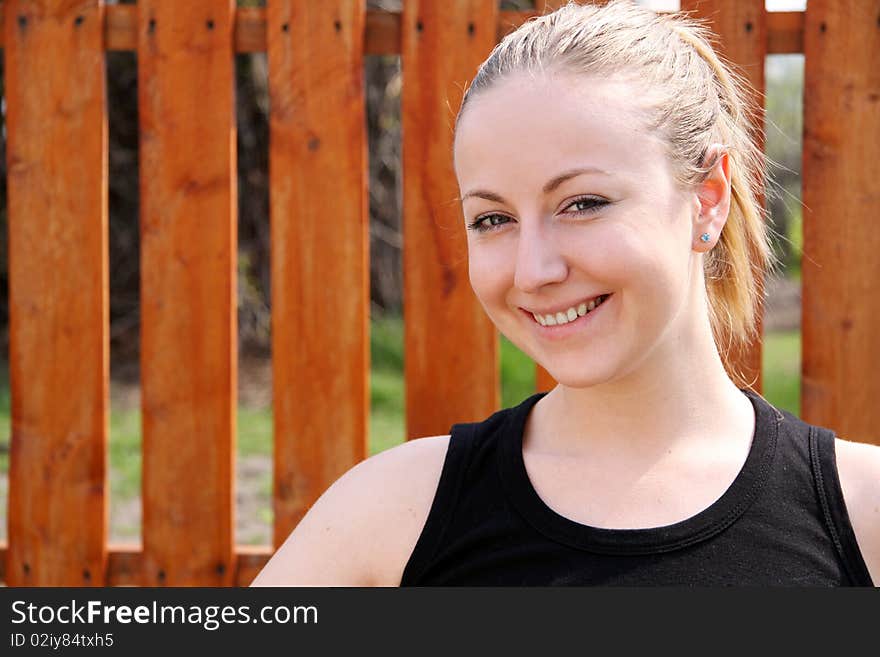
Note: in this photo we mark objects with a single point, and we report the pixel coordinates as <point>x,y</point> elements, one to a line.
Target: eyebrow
<point>551,185</point>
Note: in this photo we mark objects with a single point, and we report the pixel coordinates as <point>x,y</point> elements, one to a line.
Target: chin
<point>584,376</point>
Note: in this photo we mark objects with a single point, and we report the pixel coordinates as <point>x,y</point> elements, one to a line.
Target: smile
<point>570,314</point>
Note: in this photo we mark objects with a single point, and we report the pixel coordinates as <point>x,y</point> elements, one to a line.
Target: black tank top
<point>782,522</point>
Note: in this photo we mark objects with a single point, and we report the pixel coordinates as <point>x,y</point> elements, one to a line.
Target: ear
<point>713,195</point>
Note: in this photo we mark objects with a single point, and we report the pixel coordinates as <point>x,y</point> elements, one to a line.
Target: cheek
<point>612,253</point>
<point>643,261</point>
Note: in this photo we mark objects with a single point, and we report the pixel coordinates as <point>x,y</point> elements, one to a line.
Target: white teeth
<point>569,315</point>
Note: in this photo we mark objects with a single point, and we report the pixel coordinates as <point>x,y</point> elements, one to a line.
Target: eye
<point>583,206</point>
<point>488,222</point>
<point>586,205</point>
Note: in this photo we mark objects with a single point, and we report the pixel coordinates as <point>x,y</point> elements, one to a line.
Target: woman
<point>608,185</point>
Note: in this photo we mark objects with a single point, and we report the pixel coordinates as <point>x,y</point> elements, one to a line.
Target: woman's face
<point>570,202</point>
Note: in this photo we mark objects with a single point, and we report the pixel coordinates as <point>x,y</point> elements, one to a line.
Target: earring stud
<point>705,237</point>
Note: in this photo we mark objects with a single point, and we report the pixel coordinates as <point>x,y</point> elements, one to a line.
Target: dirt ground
<point>253,474</point>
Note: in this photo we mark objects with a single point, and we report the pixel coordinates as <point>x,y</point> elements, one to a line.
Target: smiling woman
<point>614,225</point>
<point>608,186</point>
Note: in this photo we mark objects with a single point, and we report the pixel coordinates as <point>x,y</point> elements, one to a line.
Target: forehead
<point>529,126</point>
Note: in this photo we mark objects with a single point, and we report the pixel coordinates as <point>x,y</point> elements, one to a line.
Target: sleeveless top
<point>782,522</point>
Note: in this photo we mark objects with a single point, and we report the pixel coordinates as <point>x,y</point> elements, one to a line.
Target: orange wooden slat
<point>451,347</point>
<point>125,564</point>
<point>840,264</point>
<point>785,32</point>
<point>742,30</point>
<point>250,29</point>
<point>544,381</point>
<point>250,561</point>
<point>382,30</point>
<point>319,230</point>
<point>382,33</point>
<point>121,28</point>
<point>56,126</point>
<point>188,289</point>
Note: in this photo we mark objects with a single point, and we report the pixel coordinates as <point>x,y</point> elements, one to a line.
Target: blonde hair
<point>695,100</point>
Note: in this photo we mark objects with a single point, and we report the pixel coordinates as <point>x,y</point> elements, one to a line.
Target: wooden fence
<point>58,253</point>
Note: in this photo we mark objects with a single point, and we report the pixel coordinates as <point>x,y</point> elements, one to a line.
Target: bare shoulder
<point>362,530</point>
<point>858,467</point>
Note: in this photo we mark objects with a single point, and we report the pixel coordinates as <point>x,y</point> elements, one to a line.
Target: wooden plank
<point>250,561</point>
<point>382,35</point>
<point>544,382</point>
<point>188,289</point>
<point>785,32</point>
<point>382,30</point>
<point>320,242</point>
<point>125,564</point>
<point>121,28</point>
<point>56,127</point>
<point>840,267</point>
<point>742,30</point>
<point>250,29</point>
<point>451,347</point>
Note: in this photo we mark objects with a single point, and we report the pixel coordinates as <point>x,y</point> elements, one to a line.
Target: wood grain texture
<point>382,30</point>
<point>56,125</point>
<point>124,564</point>
<point>742,31</point>
<point>840,264</point>
<point>451,347</point>
<point>785,32</point>
<point>319,231</point>
<point>188,289</point>
<point>544,381</point>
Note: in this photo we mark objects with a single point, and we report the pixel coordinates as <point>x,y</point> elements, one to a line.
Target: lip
<point>560,332</point>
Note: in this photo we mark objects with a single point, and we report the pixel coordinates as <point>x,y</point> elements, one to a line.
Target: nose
<point>539,261</point>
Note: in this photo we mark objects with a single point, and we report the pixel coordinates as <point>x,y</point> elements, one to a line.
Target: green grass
<point>387,410</point>
<point>125,453</point>
<point>782,365</point>
<point>517,374</point>
<point>387,402</point>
